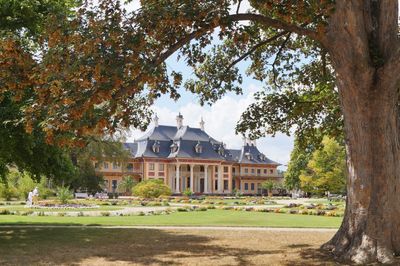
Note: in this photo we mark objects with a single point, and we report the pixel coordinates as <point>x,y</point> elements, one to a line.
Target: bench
<point>81,195</point>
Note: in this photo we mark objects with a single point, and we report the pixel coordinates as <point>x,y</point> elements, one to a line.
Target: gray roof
<point>186,138</point>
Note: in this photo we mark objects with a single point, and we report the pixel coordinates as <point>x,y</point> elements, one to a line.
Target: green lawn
<point>207,218</point>
<point>23,208</point>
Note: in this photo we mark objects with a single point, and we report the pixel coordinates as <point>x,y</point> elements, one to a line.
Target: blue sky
<point>221,118</point>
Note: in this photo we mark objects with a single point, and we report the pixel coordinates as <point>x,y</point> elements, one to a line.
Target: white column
<point>220,180</point>
<point>177,183</point>
<point>205,178</point>
<point>191,178</point>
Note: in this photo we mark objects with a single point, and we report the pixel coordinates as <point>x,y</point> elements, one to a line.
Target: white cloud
<point>220,121</point>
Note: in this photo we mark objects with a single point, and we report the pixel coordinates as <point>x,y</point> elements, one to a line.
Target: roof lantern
<point>202,124</point>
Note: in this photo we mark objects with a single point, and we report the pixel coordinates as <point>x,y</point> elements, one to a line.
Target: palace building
<point>188,158</point>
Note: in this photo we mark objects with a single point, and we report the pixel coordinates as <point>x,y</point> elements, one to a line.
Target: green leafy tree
<point>127,184</point>
<point>64,195</point>
<point>299,158</point>
<point>268,186</point>
<point>326,170</point>
<point>151,189</point>
<point>25,20</point>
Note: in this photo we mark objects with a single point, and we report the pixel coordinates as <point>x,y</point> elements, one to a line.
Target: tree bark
<point>368,89</point>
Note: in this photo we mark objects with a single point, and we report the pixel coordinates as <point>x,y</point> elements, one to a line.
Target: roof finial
<point>202,124</point>
<point>179,121</point>
<point>155,120</point>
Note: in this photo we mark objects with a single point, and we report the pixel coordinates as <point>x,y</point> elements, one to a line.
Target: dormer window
<point>174,147</point>
<point>156,147</point>
<point>221,150</point>
<point>248,155</point>
<point>262,157</point>
<point>198,147</point>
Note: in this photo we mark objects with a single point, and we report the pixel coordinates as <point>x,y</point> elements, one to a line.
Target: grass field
<point>207,218</point>
<point>116,246</point>
<point>23,208</point>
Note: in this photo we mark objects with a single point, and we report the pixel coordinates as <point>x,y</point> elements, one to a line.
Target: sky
<point>220,118</point>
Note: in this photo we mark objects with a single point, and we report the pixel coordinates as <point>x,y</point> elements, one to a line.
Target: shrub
<point>61,214</point>
<point>187,192</point>
<point>141,213</point>
<point>5,212</point>
<point>64,195</point>
<point>182,209</point>
<point>81,214</point>
<point>151,189</point>
<point>105,214</point>
<point>7,192</point>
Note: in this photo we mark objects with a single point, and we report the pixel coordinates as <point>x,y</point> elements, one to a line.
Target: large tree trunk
<point>368,88</point>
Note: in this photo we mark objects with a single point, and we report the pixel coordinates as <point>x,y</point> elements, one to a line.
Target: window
<point>233,184</point>
<point>225,184</point>
<point>258,171</point>
<point>216,169</point>
<point>115,165</point>
<point>105,165</point>
<point>233,170</point>
<point>271,171</point>
<point>201,168</point>
<point>252,186</point>
<point>129,167</point>
<point>96,165</point>
<point>114,184</point>
<point>252,170</point>
<point>246,186</point>
<point>161,167</point>
<point>156,147</point>
<point>151,166</point>
<point>188,182</point>
<point>225,169</point>
<point>265,171</point>
<point>198,148</point>
<point>246,170</point>
<point>216,185</point>
<point>174,147</point>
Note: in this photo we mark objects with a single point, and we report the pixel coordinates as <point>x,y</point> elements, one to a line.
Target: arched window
<point>221,150</point>
<point>198,148</point>
<point>174,147</point>
<point>156,147</point>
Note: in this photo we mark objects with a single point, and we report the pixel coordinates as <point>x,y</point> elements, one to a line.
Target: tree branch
<point>238,6</point>
<point>234,17</point>
<point>274,23</point>
<point>276,57</point>
<point>253,49</point>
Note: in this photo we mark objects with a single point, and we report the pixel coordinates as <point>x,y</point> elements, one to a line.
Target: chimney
<point>202,124</point>
<point>155,119</point>
<point>179,121</point>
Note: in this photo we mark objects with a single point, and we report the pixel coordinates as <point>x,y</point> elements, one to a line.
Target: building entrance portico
<point>194,177</point>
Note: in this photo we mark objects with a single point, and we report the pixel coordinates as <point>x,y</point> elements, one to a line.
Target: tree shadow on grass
<point>71,246</point>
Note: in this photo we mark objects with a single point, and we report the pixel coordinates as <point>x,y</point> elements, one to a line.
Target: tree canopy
<point>101,70</point>
<point>326,170</point>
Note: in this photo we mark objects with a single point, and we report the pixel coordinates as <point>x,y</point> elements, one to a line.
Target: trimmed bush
<point>152,188</point>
